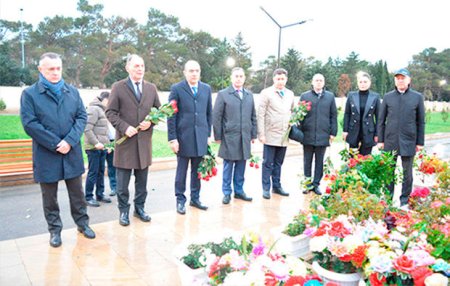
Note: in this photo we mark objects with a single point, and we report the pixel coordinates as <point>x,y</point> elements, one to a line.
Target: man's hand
<point>380,145</point>
<point>145,125</point>
<point>218,141</point>
<point>331,139</point>
<point>174,146</point>
<point>131,131</point>
<point>262,139</point>
<point>375,139</point>
<point>99,146</point>
<point>63,147</point>
<point>344,135</point>
<point>419,148</point>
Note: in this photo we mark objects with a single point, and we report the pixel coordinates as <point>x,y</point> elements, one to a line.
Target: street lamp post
<point>22,41</point>
<point>281,28</point>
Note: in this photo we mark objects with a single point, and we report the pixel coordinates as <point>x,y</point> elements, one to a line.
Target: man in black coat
<point>319,128</point>
<point>188,131</point>
<point>401,127</point>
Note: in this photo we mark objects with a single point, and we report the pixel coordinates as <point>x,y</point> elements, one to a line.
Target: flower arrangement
<point>254,161</point>
<point>207,167</point>
<point>156,115</point>
<point>298,114</point>
<point>431,165</point>
<point>108,146</point>
<point>248,260</point>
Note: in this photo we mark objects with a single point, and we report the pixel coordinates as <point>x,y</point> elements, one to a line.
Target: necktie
<point>281,93</point>
<point>194,91</point>
<point>239,92</point>
<point>138,91</point>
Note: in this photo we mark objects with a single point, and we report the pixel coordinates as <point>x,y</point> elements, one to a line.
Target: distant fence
<point>11,97</point>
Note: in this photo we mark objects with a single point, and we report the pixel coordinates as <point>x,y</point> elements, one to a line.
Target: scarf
<point>55,88</point>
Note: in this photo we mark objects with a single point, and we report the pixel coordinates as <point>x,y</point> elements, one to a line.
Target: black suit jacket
<point>191,125</point>
<point>401,124</point>
<point>352,118</point>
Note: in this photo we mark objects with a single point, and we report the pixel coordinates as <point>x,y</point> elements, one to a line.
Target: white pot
<point>297,246</point>
<point>351,279</point>
<point>189,276</point>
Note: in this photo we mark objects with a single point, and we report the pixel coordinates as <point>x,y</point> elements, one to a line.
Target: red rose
<point>338,230</point>
<point>328,190</point>
<point>295,280</point>
<point>376,281</point>
<point>252,164</point>
<point>352,163</point>
<point>256,166</point>
<point>199,175</point>
<point>270,279</point>
<point>404,264</point>
<point>214,171</point>
<point>419,274</point>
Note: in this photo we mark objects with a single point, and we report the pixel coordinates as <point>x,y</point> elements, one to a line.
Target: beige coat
<point>96,130</point>
<point>123,111</point>
<point>274,113</point>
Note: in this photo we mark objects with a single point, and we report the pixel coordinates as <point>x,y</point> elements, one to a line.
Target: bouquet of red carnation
<point>254,161</point>
<point>298,114</point>
<point>207,167</point>
<point>156,115</point>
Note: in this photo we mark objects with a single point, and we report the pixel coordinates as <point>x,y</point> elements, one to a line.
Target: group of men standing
<point>54,115</point>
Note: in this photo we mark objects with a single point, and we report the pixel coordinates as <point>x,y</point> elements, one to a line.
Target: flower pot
<point>189,276</point>
<point>351,279</point>
<point>297,246</point>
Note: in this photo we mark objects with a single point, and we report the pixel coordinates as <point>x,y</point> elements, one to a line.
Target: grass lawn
<point>11,128</point>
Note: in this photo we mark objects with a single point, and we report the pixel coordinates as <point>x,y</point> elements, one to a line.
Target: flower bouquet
<point>254,161</point>
<point>430,166</point>
<point>298,114</point>
<point>108,146</point>
<point>207,167</point>
<point>156,115</point>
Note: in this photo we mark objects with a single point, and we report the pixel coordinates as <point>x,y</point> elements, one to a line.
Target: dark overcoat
<point>401,124</point>
<point>191,125</point>
<point>352,119</point>
<point>124,110</point>
<point>47,121</point>
<point>321,121</point>
<point>234,122</point>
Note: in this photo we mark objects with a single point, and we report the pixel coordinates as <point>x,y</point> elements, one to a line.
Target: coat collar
<point>188,89</point>
<point>43,90</point>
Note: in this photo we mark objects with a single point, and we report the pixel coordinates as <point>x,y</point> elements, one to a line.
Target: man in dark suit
<point>319,128</point>
<point>54,116</point>
<point>401,127</point>
<point>188,131</point>
<point>235,129</point>
<point>129,103</point>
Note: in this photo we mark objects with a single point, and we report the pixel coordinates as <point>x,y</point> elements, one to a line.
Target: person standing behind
<point>95,139</point>
<point>188,131</point>
<point>274,113</point>
<point>401,127</point>
<point>110,161</point>
<point>319,128</point>
<point>361,116</point>
<point>53,115</point>
<point>130,102</point>
<point>234,122</point>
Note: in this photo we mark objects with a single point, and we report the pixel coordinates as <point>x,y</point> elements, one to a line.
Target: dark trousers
<point>180,178</point>
<point>407,165</point>
<point>96,174</point>
<point>273,158</point>
<point>140,188</point>
<point>363,150</point>
<point>51,206</point>
<point>318,153</point>
<point>233,170</point>
<point>111,170</point>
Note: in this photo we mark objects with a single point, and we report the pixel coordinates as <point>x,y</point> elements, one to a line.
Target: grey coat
<point>96,130</point>
<point>352,119</point>
<point>234,123</point>
<point>321,121</point>
<point>401,124</point>
<point>191,125</point>
<point>47,121</point>
<point>123,111</point>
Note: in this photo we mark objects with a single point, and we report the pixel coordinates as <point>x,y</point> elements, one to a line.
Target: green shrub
<point>2,104</point>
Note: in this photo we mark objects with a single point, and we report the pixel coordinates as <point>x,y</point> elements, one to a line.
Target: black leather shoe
<point>104,200</point>
<point>123,219</point>
<point>266,194</point>
<point>317,191</point>
<point>93,203</point>
<point>55,239</point>
<point>243,197</point>
<point>142,215</point>
<point>198,204</point>
<point>112,193</point>
<point>308,189</point>
<point>226,199</point>
<point>181,209</point>
<point>280,192</point>
<point>86,231</point>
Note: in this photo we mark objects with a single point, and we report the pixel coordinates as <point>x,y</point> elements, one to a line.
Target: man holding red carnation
<point>234,122</point>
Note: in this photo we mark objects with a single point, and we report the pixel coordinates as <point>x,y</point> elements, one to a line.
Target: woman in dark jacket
<point>360,118</point>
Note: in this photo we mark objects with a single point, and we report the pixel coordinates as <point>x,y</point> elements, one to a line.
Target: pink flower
<point>404,264</point>
<point>436,204</point>
<point>447,201</point>
<point>421,192</point>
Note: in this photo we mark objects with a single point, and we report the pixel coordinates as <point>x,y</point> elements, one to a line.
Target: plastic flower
<point>404,264</point>
<point>436,280</point>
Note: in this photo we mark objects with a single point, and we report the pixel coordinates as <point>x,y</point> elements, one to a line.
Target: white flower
<point>436,280</point>
<point>296,266</point>
<point>318,243</point>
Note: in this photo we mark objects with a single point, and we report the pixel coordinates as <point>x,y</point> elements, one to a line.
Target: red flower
<point>252,164</point>
<point>332,284</point>
<point>313,277</point>
<point>352,163</point>
<point>376,281</point>
<point>328,190</point>
<point>419,274</point>
<point>404,264</point>
<point>421,192</point>
<point>338,230</point>
<point>256,166</point>
<point>359,255</point>
<point>214,171</point>
<point>295,280</point>
<point>199,175</point>
<point>270,279</point>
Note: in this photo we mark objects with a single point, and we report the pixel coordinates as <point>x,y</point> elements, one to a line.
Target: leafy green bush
<point>2,104</point>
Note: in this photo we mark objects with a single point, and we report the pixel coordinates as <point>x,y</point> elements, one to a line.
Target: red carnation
<point>295,280</point>
<point>359,255</point>
<point>375,281</point>
<point>338,230</point>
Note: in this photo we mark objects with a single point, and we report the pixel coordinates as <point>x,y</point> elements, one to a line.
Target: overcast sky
<point>390,30</point>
